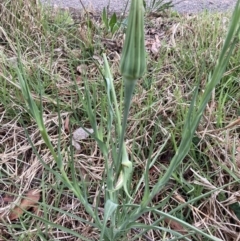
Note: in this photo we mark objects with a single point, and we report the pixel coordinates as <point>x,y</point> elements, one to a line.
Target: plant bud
<point>133,60</point>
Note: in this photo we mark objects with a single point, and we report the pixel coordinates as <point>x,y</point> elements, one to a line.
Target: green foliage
<point>236,209</point>
<point>159,5</point>
<point>196,109</point>
<point>111,23</point>
<point>123,207</point>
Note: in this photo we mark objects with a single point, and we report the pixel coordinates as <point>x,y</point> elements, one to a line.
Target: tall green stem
<point>128,92</point>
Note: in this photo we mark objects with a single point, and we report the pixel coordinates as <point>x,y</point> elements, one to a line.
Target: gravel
<point>182,6</point>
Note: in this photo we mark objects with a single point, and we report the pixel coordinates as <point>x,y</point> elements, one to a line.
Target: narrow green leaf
<point>109,208</point>
<point>113,21</point>
<point>105,18</point>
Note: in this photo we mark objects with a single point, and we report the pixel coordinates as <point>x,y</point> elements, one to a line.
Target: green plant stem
<point>129,85</point>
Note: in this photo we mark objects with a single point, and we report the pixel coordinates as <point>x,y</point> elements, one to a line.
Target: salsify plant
<point>121,213</point>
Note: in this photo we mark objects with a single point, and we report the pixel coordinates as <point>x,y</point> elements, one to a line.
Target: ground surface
<point>184,6</point>
<point>51,69</point>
